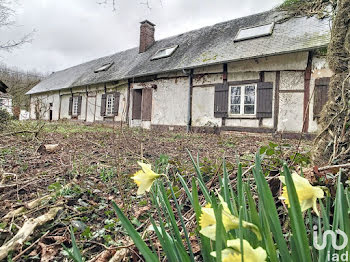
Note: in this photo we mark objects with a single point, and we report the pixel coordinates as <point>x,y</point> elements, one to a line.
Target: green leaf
<point>139,243</point>
<point>73,253</point>
<point>268,204</point>
<point>296,217</point>
<point>205,242</point>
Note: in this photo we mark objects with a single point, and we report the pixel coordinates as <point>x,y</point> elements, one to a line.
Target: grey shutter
<point>103,104</point>
<point>221,100</point>
<point>264,100</point>
<point>136,103</point>
<point>116,103</point>
<point>80,98</point>
<point>146,104</point>
<point>70,108</point>
<point>321,95</point>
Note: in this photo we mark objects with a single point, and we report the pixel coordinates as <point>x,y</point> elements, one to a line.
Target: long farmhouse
<point>260,73</point>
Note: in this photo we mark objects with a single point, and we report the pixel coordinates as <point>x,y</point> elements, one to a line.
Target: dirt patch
<point>96,163</point>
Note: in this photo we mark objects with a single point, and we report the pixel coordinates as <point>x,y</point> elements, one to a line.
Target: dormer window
<point>104,67</point>
<point>165,52</point>
<point>254,32</point>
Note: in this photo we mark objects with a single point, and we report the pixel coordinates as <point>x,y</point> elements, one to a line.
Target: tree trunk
<point>332,145</point>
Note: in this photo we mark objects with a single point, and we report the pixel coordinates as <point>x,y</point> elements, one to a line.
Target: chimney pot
<point>146,35</point>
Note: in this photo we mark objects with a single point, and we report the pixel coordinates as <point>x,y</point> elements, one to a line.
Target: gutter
<point>189,73</point>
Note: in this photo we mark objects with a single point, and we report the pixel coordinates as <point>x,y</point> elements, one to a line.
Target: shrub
<point>5,117</point>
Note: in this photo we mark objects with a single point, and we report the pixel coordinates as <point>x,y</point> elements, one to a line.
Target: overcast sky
<point>69,32</point>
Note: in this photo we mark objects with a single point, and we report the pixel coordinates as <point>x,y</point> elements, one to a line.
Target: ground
<point>91,168</point>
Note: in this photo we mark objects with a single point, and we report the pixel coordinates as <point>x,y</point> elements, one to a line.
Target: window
<point>243,100</point>
<point>110,104</point>
<point>254,32</point>
<point>166,52</point>
<point>104,67</point>
<point>75,106</point>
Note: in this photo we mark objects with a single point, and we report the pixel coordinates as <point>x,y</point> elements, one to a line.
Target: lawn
<point>92,167</point>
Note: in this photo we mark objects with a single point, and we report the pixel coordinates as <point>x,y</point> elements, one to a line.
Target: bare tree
<point>332,144</point>
<point>6,20</point>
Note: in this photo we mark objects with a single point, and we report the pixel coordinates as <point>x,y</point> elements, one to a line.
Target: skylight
<point>254,32</point>
<point>165,52</point>
<point>105,67</point>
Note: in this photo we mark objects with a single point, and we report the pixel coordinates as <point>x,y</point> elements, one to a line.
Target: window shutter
<point>80,98</point>
<point>264,100</point>
<point>116,103</point>
<point>146,104</point>
<point>103,104</point>
<point>321,95</point>
<point>70,108</point>
<point>221,100</point>
<point>136,103</point>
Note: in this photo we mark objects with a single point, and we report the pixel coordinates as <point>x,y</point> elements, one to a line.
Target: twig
<point>334,166</point>
<point>25,250</point>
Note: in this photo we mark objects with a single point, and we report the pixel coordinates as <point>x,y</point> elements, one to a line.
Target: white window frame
<point>158,56</point>
<point>110,103</point>
<point>75,105</point>
<point>242,100</point>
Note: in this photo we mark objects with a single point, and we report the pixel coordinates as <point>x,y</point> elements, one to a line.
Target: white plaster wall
<point>240,76</point>
<point>292,80</point>
<point>65,106</point>
<point>6,104</point>
<point>209,69</point>
<point>291,112</point>
<point>320,69</point>
<point>294,61</point>
<point>170,102</point>
<point>291,105</point>
<point>203,107</point>
<point>204,79</point>
<point>44,101</point>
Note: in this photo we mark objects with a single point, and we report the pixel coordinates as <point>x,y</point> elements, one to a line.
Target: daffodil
<point>207,221</point>
<point>233,252</point>
<point>307,194</point>
<point>144,178</point>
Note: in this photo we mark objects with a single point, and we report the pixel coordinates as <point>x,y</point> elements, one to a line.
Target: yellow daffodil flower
<point>207,221</point>
<point>307,194</point>
<point>144,178</point>
<point>233,252</point>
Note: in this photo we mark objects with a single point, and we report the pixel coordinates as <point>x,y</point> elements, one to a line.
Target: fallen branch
<point>347,165</point>
<point>26,230</point>
<point>30,247</point>
<point>33,204</point>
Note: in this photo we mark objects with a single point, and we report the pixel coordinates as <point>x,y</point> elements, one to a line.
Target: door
<point>91,108</point>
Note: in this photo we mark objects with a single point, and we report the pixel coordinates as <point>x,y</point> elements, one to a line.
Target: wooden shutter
<point>264,100</point>
<point>103,105</point>
<point>116,103</point>
<point>320,95</point>
<point>147,104</point>
<point>221,100</point>
<point>136,103</point>
<point>80,98</point>
<point>70,108</point>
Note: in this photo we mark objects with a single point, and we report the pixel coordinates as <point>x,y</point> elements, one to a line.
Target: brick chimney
<point>146,35</point>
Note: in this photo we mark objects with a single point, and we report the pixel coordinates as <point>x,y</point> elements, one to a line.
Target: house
<point>5,98</point>
<point>260,73</point>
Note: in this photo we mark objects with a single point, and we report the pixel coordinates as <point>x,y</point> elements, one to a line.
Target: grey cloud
<point>71,32</point>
